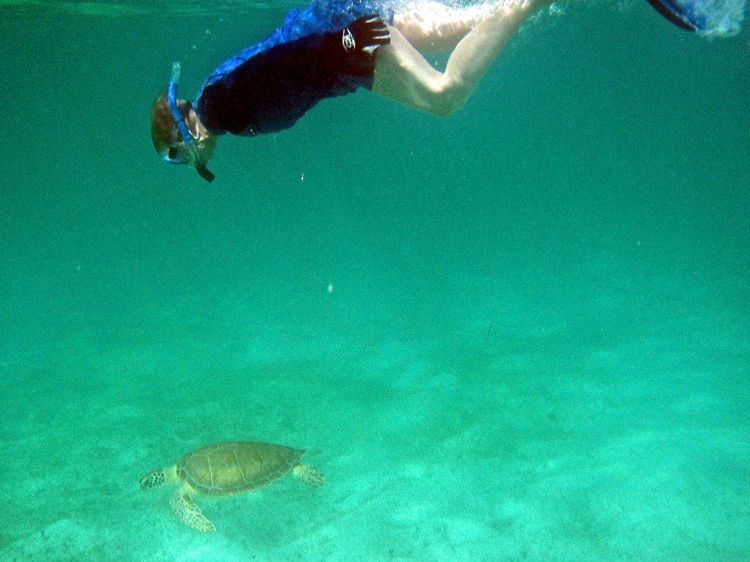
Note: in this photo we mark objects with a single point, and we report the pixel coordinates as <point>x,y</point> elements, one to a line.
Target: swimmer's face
<point>178,153</point>
<point>197,154</point>
<point>169,143</point>
<point>200,151</point>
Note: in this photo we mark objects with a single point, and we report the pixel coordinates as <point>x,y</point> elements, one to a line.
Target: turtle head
<point>152,479</point>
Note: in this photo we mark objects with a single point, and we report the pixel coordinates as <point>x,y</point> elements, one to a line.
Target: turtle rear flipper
<point>308,474</point>
<point>189,513</point>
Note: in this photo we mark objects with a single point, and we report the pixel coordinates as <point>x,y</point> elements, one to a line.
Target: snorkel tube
<point>179,120</point>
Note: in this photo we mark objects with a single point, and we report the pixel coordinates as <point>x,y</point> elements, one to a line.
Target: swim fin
<point>673,12</point>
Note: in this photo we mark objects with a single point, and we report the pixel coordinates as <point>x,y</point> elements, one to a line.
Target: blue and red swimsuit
<point>318,52</point>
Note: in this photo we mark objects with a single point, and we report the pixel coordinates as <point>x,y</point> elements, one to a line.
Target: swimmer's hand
<point>359,40</point>
<point>365,34</point>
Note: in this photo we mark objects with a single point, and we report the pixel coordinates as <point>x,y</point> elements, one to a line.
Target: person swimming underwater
<point>334,47</point>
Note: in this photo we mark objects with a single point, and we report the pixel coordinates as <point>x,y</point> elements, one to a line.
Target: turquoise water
<point>518,333</point>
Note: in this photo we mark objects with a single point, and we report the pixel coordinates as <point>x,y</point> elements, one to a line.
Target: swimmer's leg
<point>403,74</point>
<point>434,26</point>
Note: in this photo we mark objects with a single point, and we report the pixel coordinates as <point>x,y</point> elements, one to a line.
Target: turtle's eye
<point>171,153</point>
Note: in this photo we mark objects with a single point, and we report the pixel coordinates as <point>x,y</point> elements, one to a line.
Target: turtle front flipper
<point>189,513</point>
<point>308,474</point>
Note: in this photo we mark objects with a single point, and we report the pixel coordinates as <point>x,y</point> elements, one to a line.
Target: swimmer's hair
<point>162,124</point>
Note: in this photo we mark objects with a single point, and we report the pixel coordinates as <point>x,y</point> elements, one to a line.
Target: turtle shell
<point>236,467</point>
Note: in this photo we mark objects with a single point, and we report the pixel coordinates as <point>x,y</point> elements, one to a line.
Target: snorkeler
<point>332,48</point>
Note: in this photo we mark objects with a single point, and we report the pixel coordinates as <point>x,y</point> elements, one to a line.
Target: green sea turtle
<point>224,469</point>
